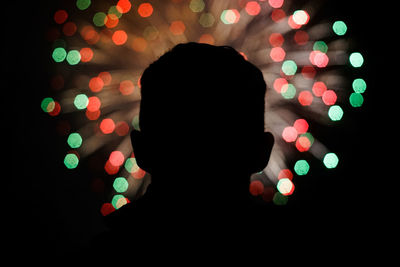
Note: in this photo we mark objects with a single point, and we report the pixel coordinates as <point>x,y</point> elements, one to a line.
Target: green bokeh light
<point>73,57</point>
<point>115,11</point>
<point>196,5</point>
<point>335,113</point>
<point>289,67</point>
<point>320,46</point>
<point>131,165</point>
<point>359,85</point>
<point>309,137</point>
<point>99,19</point>
<point>356,100</point>
<point>47,104</point>
<point>115,200</point>
<point>279,199</point>
<point>339,27</point>
<point>135,123</point>
<point>301,167</point>
<point>206,20</point>
<point>120,184</point>
<point>288,91</point>
<point>59,54</point>
<point>356,59</point>
<point>81,101</point>
<point>74,140</point>
<point>331,160</point>
<point>71,161</point>
<point>83,4</point>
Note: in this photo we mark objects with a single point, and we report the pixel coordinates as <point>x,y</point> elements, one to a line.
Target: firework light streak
<point>100,50</point>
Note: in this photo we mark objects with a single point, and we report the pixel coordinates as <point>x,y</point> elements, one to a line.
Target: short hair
<point>209,86</point>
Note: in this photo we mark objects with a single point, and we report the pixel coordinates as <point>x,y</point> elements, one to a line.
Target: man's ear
<point>141,150</point>
<point>262,152</point>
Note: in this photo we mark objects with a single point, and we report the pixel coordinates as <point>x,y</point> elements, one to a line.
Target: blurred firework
<point>100,49</point>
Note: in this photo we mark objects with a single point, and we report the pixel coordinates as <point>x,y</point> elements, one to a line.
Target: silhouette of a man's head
<point>202,122</point>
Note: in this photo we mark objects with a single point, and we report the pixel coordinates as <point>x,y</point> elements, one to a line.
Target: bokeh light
<point>301,167</point>
<point>71,161</point>
<point>99,50</point>
<point>331,160</point>
<point>59,54</point>
<point>339,27</point>
<point>83,4</point>
<point>289,67</point>
<point>120,184</point>
<point>356,59</point>
<point>197,5</point>
<point>145,10</point>
<point>285,186</point>
<point>356,100</point>
<point>74,140</point>
<point>359,85</point>
<point>335,113</point>
<point>73,57</point>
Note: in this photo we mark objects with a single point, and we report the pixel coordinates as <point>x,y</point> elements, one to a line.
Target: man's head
<point>202,120</point>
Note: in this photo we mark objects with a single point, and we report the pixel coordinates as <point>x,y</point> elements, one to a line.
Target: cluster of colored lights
<point>104,96</point>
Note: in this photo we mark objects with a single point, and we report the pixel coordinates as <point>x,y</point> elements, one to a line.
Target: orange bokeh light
<point>124,6</point>
<point>86,54</point>
<point>96,84</point>
<point>177,27</point>
<point>119,37</point>
<point>145,10</point>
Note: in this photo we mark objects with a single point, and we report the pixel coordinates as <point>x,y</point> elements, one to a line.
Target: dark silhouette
<point>201,137</point>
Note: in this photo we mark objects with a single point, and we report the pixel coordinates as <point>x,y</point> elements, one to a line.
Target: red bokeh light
<point>111,21</point>
<point>329,97</point>
<point>60,16</point>
<point>308,72</point>
<point>69,28</point>
<point>86,54</point>
<point>90,35</point>
<point>145,10</point>
<point>96,84</point>
<point>293,24</point>
<point>122,128</point>
<point>116,158</point>
<point>107,126</point>
<point>119,37</point>
<point>124,6</point>
<point>319,88</point>
<point>275,3</point>
<point>301,37</point>
<point>277,15</point>
<point>301,126</point>
<point>303,144</point>
<point>106,209</point>
<point>93,115</point>
<point>279,83</point>
<point>256,188</point>
<point>319,59</point>
<point>106,77</point>
<point>277,54</point>
<point>276,39</point>
<point>285,173</point>
<point>126,87</point>
<point>111,169</point>
<point>305,98</point>
<point>94,104</point>
<point>289,134</point>
<point>253,8</point>
<point>177,27</point>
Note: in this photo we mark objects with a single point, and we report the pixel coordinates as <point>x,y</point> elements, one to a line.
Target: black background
<point>51,210</point>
